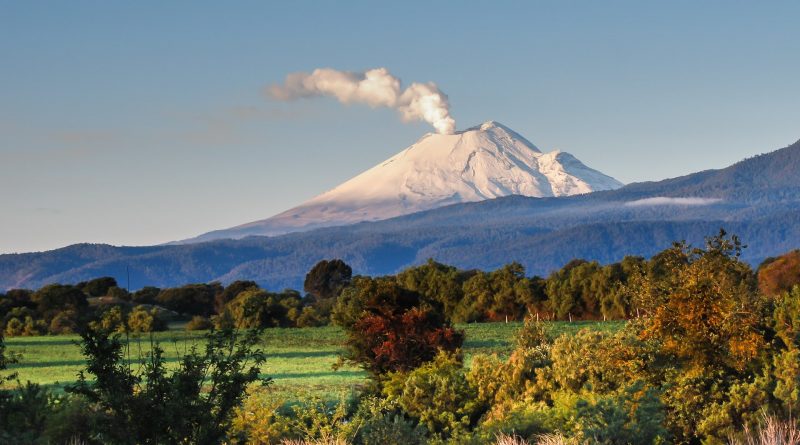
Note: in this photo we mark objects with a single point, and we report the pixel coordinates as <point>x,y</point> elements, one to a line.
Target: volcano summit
<point>482,162</point>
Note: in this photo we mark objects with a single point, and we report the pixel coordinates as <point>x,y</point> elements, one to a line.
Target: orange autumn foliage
<point>705,311</point>
<point>777,275</point>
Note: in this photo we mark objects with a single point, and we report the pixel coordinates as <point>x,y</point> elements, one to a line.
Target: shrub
<point>255,308</point>
<point>53,298</point>
<point>382,423</point>
<point>14,327</point>
<point>111,320</point>
<point>260,419</point>
<point>73,420</point>
<point>634,415</point>
<point>310,317</point>
<point>154,405</point>
<point>23,413</point>
<point>65,322</point>
<point>199,323</point>
<point>142,320</point>
<point>391,429</point>
<point>97,287</point>
<point>232,291</point>
<point>594,361</point>
<point>438,395</point>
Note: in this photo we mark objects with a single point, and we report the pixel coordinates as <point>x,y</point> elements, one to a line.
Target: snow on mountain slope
<point>483,162</point>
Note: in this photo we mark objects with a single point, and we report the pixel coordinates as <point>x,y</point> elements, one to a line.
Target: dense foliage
<point>706,359</point>
<point>118,403</point>
<point>705,356</point>
<point>390,328</point>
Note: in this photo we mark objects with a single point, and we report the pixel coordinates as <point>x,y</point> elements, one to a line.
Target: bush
<point>65,322</point>
<point>391,429</point>
<point>634,415</point>
<point>260,419</point>
<point>230,292</point>
<point>153,405</point>
<point>594,361</point>
<point>438,395</point>
<point>73,420</point>
<point>111,320</point>
<point>256,308</point>
<point>310,317</point>
<point>199,323</point>
<point>142,320</point>
<point>23,413</point>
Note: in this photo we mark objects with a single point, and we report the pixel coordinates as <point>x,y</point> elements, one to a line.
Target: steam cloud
<point>376,88</point>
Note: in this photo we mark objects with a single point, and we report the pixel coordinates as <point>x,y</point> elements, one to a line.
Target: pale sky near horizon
<point>136,123</point>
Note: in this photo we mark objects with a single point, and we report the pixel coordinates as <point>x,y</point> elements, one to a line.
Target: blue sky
<point>143,122</point>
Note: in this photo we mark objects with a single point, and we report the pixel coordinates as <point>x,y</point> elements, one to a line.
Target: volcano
<point>483,162</point>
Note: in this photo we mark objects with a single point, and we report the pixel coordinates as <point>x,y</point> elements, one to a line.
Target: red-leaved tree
<point>398,331</point>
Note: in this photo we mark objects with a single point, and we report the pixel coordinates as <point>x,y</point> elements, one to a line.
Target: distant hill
<point>757,199</point>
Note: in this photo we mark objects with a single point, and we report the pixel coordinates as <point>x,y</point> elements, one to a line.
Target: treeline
<point>579,290</point>
<point>66,309</point>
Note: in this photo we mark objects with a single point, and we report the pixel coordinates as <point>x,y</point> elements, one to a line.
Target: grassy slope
<point>298,359</point>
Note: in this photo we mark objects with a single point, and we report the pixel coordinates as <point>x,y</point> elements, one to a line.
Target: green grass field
<point>299,360</point>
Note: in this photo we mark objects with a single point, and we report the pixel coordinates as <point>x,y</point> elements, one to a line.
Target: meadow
<point>299,360</point>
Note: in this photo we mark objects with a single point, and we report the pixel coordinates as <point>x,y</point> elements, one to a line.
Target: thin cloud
<point>668,201</point>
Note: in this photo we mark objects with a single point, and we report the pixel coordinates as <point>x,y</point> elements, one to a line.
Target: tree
<point>706,332</point>
<point>111,320</point>
<point>53,298</point>
<point>256,308</point>
<point>16,298</point>
<point>192,405</point>
<point>502,293</point>
<point>146,295</point>
<point>437,282</point>
<point>327,279</point>
<point>776,275</point>
<point>142,320</point>
<point>230,292</point>
<point>571,290</point>
<point>98,287</point>
<point>396,330</point>
<point>706,312</point>
<point>194,299</point>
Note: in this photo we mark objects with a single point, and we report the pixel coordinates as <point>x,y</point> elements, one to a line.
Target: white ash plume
<point>376,88</point>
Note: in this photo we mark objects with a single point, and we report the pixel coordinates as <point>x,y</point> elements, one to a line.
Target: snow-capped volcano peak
<point>483,162</point>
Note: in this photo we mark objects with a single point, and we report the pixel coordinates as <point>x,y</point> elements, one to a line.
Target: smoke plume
<point>376,88</point>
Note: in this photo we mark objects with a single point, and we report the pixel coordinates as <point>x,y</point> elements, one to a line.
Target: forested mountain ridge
<point>757,199</point>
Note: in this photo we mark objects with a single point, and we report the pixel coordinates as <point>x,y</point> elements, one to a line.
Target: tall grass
<point>772,431</point>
